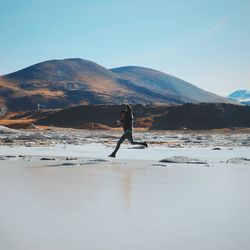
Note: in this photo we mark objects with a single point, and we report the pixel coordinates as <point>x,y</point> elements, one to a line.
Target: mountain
<point>70,82</point>
<point>58,84</point>
<point>242,96</point>
<point>166,84</point>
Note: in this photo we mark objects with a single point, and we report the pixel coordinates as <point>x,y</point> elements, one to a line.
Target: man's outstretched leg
<point>131,140</point>
<point>121,140</point>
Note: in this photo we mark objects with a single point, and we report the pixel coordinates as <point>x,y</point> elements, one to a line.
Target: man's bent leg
<point>121,140</point>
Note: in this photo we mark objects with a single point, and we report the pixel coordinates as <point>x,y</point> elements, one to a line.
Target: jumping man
<point>127,124</point>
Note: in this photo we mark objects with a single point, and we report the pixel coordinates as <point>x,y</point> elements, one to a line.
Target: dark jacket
<point>128,119</point>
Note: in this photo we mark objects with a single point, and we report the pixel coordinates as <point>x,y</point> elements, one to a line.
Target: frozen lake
<point>78,198</point>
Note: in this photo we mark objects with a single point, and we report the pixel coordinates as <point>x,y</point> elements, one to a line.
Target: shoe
<point>145,144</point>
<point>112,155</point>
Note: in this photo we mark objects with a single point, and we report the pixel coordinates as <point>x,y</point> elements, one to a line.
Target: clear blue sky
<point>205,42</point>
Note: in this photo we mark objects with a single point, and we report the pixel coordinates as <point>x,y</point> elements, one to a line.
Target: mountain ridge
<point>163,78</point>
<point>74,81</point>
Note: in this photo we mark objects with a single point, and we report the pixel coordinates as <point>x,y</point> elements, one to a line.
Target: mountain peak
<point>242,96</point>
<point>135,69</point>
<point>241,92</point>
<point>70,69</point>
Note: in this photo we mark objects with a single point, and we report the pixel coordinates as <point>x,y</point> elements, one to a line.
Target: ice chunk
<point>239,160</point>
<point>183,159</point>
<point>5,130</point>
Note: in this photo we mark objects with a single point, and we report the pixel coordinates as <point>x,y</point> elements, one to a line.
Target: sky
<point>206,43</point>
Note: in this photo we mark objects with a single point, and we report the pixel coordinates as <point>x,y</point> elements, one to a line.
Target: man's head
<point>123,113</point>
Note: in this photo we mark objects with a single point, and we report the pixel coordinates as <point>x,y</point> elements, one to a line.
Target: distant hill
<point>70,82</point>
<point>189,116</point>
<point>242,96</point>
<point>204,116</point>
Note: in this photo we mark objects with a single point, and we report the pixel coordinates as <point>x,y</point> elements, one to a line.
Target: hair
<point>123,112</point>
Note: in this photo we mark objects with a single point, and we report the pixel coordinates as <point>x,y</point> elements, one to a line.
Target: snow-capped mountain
<point>242,96</point>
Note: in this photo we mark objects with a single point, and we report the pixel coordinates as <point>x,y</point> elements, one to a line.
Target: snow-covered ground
<point>174,139</point>
<point>60,190</point>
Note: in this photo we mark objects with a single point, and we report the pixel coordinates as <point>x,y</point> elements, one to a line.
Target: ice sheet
<point>63,195</point>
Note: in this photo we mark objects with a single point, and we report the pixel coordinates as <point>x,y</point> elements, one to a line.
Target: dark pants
<point>129,136</point>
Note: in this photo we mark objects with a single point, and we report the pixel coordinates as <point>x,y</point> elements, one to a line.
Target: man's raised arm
<point>129,109</point>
